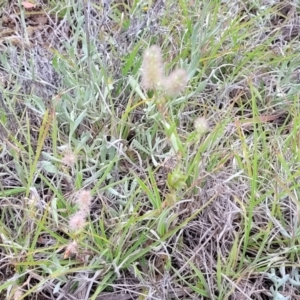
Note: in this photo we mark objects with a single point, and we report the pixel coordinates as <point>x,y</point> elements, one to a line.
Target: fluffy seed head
<point>84,200</point>
<point>69,158</point>
<point>176,82</point>
<point>152,68</point>
<point>77,221</point>
<point>71,249</point>
<point>200,125</point>
<point>18,294</point>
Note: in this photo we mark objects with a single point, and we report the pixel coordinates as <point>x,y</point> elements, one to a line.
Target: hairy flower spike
<point>69,158</point>
<point>84,201</point>
<point>176,82</point>
<point>152,68</point>
<point>77,221</point>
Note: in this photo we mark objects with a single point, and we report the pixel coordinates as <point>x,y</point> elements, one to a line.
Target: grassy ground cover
<point>133,171</point>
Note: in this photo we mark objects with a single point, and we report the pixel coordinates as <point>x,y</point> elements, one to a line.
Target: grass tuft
<point>149,150</point>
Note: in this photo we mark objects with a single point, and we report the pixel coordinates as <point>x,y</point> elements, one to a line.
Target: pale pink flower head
<point>152,68</point>
<point>77,221</point>
<point>176,82</point>
<point>84,200</point>
<point>69,158</point>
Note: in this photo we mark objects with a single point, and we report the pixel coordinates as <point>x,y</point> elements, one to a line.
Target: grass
<point>172,213</point>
